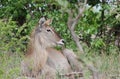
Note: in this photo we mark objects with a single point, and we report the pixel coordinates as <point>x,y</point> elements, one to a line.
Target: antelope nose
<point>61,42</point>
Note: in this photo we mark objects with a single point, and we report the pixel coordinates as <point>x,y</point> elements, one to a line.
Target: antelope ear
<point>48,22</point>
<point>42,21</point>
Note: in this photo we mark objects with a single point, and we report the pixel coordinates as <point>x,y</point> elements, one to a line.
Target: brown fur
<point>42,59</point>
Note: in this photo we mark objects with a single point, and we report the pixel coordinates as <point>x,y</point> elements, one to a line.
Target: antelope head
<point>46,34</point>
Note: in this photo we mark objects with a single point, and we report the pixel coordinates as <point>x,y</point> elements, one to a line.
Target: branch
<point>81,10</point>
<point>78,74</point>
<point>72,23</point>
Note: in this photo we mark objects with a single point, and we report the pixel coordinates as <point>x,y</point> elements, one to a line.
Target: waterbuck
<point>42,60</point>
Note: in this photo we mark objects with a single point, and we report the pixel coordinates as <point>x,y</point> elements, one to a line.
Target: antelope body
<point>42,60</point>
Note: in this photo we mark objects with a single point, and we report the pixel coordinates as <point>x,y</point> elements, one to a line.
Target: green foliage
<point>11,37</point>
<point>93,3</point>
<point>22,16</point>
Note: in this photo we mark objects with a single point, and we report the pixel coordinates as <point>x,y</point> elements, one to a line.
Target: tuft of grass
<point>107,65</point>
<point>9,65</point>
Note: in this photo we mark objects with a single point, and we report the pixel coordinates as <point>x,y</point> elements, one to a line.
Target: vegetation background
<point>97,29</point>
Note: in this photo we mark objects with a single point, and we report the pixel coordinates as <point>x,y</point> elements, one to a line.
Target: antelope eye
<point>48,30</point>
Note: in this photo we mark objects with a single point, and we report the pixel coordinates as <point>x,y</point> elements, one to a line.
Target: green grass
<point>108,65</point>
<point>9,65</point>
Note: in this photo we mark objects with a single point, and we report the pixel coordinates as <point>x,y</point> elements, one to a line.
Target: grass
<point>9,65</point>
<point>109,65</point>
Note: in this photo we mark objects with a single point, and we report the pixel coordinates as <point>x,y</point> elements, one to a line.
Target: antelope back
<point>46,35</point>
